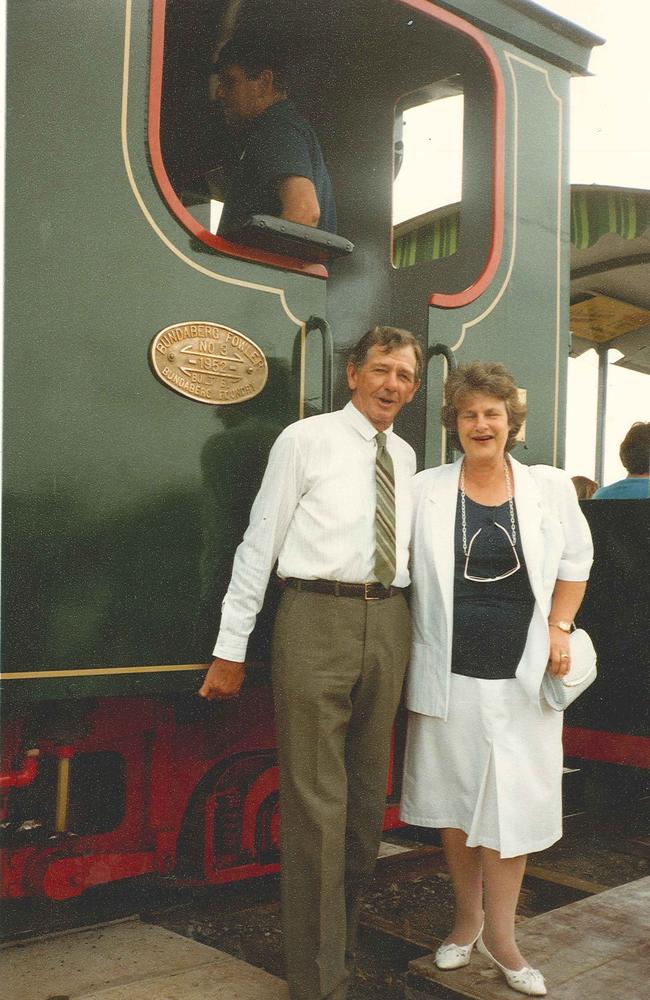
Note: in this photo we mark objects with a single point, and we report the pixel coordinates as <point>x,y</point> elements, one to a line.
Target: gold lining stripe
<point>303,361</point>
<point>35,675</point>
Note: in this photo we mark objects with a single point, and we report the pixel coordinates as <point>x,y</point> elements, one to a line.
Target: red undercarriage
<point>196,796</point>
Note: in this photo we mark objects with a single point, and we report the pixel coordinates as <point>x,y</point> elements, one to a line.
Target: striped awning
<point>428,239</point>
<point>595,212</point>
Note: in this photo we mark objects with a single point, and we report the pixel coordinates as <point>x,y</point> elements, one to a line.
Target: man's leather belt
<point>368,591</point>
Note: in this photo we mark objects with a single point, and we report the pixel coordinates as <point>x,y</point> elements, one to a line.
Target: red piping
<point>19,779</point>
<point>171,198</point>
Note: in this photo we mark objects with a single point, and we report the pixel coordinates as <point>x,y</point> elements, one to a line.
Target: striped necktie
<point>385,561</point>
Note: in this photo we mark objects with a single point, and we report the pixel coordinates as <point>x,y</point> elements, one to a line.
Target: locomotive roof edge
<point>532,27</point>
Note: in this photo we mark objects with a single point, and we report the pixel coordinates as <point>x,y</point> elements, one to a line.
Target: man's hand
<point>223,680</point>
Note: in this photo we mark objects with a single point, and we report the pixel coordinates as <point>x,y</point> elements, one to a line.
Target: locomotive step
<point>129,960</point>
<point>598,947</point>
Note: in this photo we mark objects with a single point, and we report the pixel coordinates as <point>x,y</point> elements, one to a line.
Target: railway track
<point>544,889</point>
<point>406,913</point>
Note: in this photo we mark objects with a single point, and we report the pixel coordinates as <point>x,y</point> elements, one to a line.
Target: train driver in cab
<point>277,167</point>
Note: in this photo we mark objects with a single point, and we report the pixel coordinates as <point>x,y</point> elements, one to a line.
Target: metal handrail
<point>446,352</point>
<point>327,389</point>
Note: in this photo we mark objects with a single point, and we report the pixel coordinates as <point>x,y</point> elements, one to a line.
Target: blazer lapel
<point>529,516</point>
<point>443,498</point>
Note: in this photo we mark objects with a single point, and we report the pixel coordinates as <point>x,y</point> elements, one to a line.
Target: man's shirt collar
<point>361,423</point>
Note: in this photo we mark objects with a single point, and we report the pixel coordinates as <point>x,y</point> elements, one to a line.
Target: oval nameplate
<point>208,362</point>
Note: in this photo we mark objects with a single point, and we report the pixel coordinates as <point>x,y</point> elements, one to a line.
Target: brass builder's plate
<point>208,362</point>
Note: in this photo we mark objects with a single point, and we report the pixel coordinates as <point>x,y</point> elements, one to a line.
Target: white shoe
<point>526,980</point>
<point>455,956</point>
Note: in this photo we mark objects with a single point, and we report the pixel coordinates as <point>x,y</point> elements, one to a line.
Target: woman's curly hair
<point>487,378</point>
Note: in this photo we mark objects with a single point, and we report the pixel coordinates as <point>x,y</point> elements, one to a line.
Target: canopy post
<point>601,412</point>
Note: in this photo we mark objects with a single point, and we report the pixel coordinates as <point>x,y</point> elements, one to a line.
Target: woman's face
<point>483,426</point>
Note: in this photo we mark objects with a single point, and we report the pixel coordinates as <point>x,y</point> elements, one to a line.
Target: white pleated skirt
<point>493,769</point>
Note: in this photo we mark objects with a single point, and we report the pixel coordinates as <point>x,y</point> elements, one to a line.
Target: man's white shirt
<point>315,515</point>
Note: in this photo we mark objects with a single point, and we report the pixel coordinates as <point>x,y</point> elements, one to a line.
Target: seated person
<point>635,456</point>
<point>279,168</point>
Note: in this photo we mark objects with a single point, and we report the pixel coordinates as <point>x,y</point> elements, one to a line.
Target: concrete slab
<point>229,980</point>
<point>129,960</point>
<point>597,948</point>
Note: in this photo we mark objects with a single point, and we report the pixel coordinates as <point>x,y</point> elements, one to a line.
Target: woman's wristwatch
<point>564,626</point>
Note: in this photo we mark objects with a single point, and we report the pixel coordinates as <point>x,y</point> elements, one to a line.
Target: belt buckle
<point>366,596</point>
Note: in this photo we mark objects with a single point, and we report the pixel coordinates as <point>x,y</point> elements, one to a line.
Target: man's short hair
<point>635,449</point>
<point>387,338</point>
<point>255,53</point>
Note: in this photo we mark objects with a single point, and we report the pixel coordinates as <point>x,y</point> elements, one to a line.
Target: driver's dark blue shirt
<point>278,143</point>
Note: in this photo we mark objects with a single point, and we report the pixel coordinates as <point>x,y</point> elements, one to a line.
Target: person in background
<point>500,553</point>
<point>635,456</point>
<point>334,509</point>
<point>278,168</point>
<point>585,488</point>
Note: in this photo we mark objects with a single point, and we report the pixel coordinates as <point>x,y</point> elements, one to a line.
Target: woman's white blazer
<point>556,543</point>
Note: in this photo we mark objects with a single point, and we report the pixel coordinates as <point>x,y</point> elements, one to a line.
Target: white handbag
<point>561,691</point>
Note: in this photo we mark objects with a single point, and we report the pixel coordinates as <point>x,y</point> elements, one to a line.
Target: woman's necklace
<point>511,506</point>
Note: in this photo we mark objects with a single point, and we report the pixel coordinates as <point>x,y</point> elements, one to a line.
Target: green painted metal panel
<point>522,319</point>
<point>123,501</point>
<point>532,28</point>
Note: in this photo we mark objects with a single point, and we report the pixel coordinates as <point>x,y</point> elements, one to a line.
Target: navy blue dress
<point>491,620</point>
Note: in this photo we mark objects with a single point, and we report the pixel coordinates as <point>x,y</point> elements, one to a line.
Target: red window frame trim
<point>187,220</point>
<point>493,258</point>
<point>170,197</point>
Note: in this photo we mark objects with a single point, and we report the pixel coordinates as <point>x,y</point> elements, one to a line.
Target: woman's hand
<point>567,598</point>
<point>559,659</point>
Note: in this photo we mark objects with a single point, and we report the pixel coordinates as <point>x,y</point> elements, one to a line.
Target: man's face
<point>383,384</point>
<point>239,96</point>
